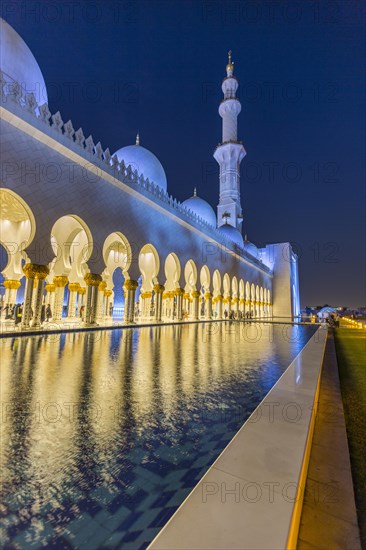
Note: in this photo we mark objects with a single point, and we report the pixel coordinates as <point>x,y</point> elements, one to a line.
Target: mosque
<point>73,214</point>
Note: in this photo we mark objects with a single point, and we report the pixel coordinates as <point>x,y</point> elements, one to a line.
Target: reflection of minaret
<point>229,154</point>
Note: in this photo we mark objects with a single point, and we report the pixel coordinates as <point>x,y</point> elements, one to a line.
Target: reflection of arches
<point>149,265</point>
<point>17,230</point>
<point>190,275</point>
<point>72,243</point>
<point>172,271</point>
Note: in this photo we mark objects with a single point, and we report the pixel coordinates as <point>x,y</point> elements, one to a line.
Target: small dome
<point>232,234</point>
<point>145,162</point>
<point>202,208</point>
<point>18,63</point>
<point>251,249</point>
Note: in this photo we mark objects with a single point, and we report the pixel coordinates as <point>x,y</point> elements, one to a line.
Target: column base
<point>28,327</point>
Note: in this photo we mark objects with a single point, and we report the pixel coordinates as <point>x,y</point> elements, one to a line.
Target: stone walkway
<point>329,519</point>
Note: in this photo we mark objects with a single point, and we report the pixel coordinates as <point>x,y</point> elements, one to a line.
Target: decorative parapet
<point>11,93</point>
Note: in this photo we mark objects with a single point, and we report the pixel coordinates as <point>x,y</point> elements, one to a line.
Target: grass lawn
<point>351,356</point>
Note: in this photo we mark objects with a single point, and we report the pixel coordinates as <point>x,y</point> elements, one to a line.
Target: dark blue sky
<point>157,66</point>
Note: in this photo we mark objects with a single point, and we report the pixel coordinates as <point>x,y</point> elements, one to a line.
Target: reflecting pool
<point>103,434</point>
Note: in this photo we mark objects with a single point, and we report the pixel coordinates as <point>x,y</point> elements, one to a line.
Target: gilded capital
<point>35,271</point>
<point>50,288</point>
<point>208,295</point>
<point>159,289</point>
<point>60,281</point>
<point>108,293</point>
<point>102,286</point>
<point>73,287</point>
<point>195,294</point>
<point>179,291</point>
<point>130,284</point>
<point>92,279</point>
<point>81,290</point>
<point>11,284</point>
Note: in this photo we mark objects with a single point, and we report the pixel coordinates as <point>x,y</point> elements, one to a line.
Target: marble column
<point>38,290</point>
<point>100,301</point>
<point>81,300</point>
<point>158,289</point>
<point>226,305</point>
<point>33,272</point>
<point>130,287</point>
<point>93,281</point>
<point>146,305</point>
<point>179,292</point>
<point>196,295</point>
<point>219,299</point>
<point>60,282</point>
<point>185,304</point>
<point>235,303</point>
<point>11,290</point>
<point>73,289</point>
<point>50,295</point>
<point>208,305</point>
<point>107,303</point>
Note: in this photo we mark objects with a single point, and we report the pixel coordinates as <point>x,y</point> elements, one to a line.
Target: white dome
<point>145,162</point>
<point>232,234</point>
<point>18,63</point>
<point>202,208</point>
<point>251,249</point>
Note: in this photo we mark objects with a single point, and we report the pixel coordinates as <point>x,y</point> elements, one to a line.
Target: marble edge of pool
<point>251,497</point>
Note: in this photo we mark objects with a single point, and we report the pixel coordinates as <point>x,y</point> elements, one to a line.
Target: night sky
<point>156,66</point>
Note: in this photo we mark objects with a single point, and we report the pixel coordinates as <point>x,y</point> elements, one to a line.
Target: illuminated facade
<point>72,214</point>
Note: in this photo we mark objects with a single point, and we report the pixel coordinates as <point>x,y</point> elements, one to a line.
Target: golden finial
<point>230,65</point>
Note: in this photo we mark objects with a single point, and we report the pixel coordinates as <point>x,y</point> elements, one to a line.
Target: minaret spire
<point>230,65</point>
<point>230,152</point>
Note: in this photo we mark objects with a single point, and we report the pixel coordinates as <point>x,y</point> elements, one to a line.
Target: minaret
<point>229,153</point>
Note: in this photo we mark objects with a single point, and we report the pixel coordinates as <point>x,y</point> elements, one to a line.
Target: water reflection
<point>124,422</point>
